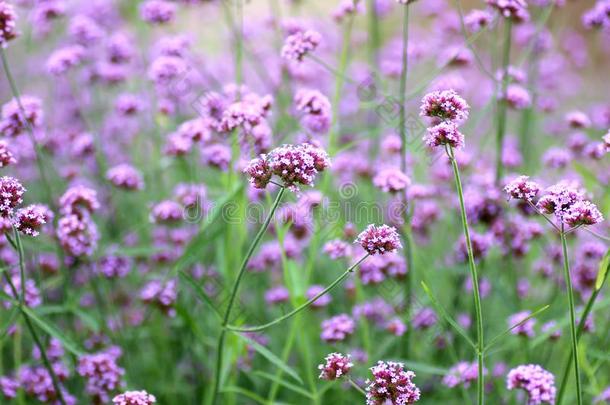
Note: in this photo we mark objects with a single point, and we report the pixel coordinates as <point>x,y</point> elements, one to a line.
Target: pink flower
<point>379,239</point>
<point>336,366</point>
<point>11,195</point>
<point>446,105</point>
<point>391,384</point>
<point>522,189</point>
<point>391,180</point>
<point>8,18</point>
<point>538,383</point>
<point>134,398</point>
<point>298,45</point>
<point>445,133</point>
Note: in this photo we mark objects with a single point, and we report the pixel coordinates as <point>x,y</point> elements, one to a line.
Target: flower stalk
<point>502,103</point>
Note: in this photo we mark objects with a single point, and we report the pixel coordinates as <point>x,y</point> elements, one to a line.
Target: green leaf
<point>604,265</point>
<point>7,324</point>
<point>285,384</point>
<point>263,351</point>
<point>199,292</point>
<point>245,392</point>
<point>446,316</point>
<point>507,331</point>
<point>68,343</point>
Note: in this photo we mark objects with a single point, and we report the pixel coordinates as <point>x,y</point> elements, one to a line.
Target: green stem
<point>573,333</point>
<point>242,270</point>
<point>473,275</point>
<point>359,388</point>
<point>301,307</point>
<point>502,103</point>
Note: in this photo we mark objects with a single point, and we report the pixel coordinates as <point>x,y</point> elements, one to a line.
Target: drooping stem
<point>28,125</point>
<point>473,275</point>
<point>502,103</point>
<point>300,307</point>
<point>573,333</point>
<point>235,289</point>
<point>359,388</point>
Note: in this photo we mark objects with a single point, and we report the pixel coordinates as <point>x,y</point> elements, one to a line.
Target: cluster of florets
<point>316,109</point>
<point>162,294</point>
<point>598,16</point>
<point>37,383</point>
<point>448,110</point>
<point>6,156</point>
<point>79,200</point>
<point>113,266</point>
<point>299,44</point>
<point>348,8</point>
<point>293,164</point>
<point>603,397</point>
<point>134,398</point>
<point>76,231</point>
<point>476,20</point>
<point>14,122</point>
<point>30,219</point>
<point>337,249</point>
<point>11,195</point>
<point>64,59</point>
<point>463,373</point>
<point>336,366</point>
<point>391,384</point>
<point>8,17</point>
<point>538,383</point>
<point>337,328</point>
<point>166,211</point>
<point>102,372</point>
<point>515,10</point>
<point>522,189</point>
<point>32,297</point>
<point>247,113</point>
<point>157,11</point>
<point>379,239</point>
<point>391,180</point>
<point>126,177</point>
<point>522,324</point>
<point>517,97</point>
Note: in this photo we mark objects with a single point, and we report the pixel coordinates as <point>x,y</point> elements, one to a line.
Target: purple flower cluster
<point>157,11</point>
<point>102,372</point>
<point>293,164</point>
<point>14,122</point>
<point>337,328</point>
<point>126,177</point>
<point>299,44</point>
<point>336,365</point>
<point>525,326</point>
<point>538,383</point>
<point>134,398</point>
<point>161,294</point>
<point>379,239</point>
<point>8,18</point>
<point>598,16</point>
<point>522,189</point>
<point>11,195</point>
<point>30,219</point>
<point>391,384</point>
<point>569,206</point>
<point>6,156</point>
<point>316,110</point>
<point>515,10</point>
<point>463,373</point>
<point>447,110</point>
<point>391,180</point>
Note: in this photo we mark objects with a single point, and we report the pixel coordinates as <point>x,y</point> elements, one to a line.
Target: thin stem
<point>473,275</point>
<point>242,270</point>
<point>28,124</point>
<point>300,307</point>
<point>573,334</point>
<point>359,388</point>
<point>502,102</point>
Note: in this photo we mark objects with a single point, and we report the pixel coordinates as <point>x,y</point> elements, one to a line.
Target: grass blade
<point>263,351</point>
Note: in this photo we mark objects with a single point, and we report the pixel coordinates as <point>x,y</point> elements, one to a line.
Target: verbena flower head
<point>30,219</point>
<point>446,105</point>
<point>157,11</point>
<point>391,180</point>
<point>538,383</point>
<point>77,234</point>
<point>476,20</point>
<point>337,249</point>
<point>134,398</point>
<point>14,123</point>
<point>582,213</point>
<point>569,206</point>
<point>166,211</point>
<point>526,328</point>
<point>316,109</point>
<point>298,45</point>
<point>379,239</point>
<point>161,294</point>
<point>604,397</point>
<point>126,177</point>
<point>515,10</point>
<point>102,372</point>
<point>9,387</point>
<point>259,172</point>
<point>463,373</point>
<point>517,97</point>
<point>391,384</point>
<point>79,200</point>
<point>64,59</point>
<point>445,133</point>
<point>313,291</point>
<point>8,18</point>
<point>11,195</point>
<point>336,366</point>
<point>6,156</point>
<point>522,189</point>
<point>337,328</point>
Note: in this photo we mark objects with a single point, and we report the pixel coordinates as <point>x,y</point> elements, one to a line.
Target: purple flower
<point>603,397</point>
<point>552,329</point>
<point>297,45</point>
<point>379,239</point>
<point>396,327</point>
<point>166,211</point>
<point>37,383</point>
<point>316,109</point>
<point>6,156</point>
<point>161,294</point>
<point>259,172</point>
<point>190,195</point>
<point>348,7</point>
<point>79,200</point>
<point>522,189</point>
<point>32,296</point>
<point>582,213</point>
<point>526,328</point>
<point>557,158</point>
<point>8,387</point>
<point>85,30</point>
<point>476,20</point>
<point>126,177</point>
<point>64,59</point>
<point>463,373</point>
<point>424,318</point>
<point>277,295</point>
<point>517,97</point>
<point>165,69</point>
<point>157,11</point>
<point>336,365</point>
<point>30,219</point>
<point>322,301</point>
<point>391,180</point>
<point>538,383</point>
<point>391,384</point>
<point>569,206</point>
<point>129,104</point>
<point>8,18</point>
<point>113,266</point>
<point>14,123</point>
<point>11,195</point>
<point>516,10</point>
<point>134,398</point>
<point>337,328</point>
<point>445,133</point>
<point>102,372</point>
<point>578,119</point>
<point>337,249</point>
<point>77,234</point>
<point>446,105</point>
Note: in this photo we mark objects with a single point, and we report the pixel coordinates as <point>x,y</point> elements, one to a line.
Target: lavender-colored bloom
<point>102,372</point>
<point>463,373</point>
<point>538,383</point>
<point>379,239</point>
<point>299,44</point>
<point>476,20</point>
<point>190,195</point>
<point>424,318</point>
<point>166,211</point>
<point>526,328</point>
<point>517,97</point>
<point>606,139</point>
<point>120,48</point>
<point>552,329</point>
<point>85,30</point>
<point>582,213</point>
<point>515,10</point>
<point>128,104</point>
<point>348,7</point>
<point>113,266</point>
<point>578,119</point>
<point>316,110</point>
<point>30,219</point>
<point>569,206</point>
<point>247,113</point>
<point>9,387</point>
<point>163,295</point>
<point>445,133</point>
<point>277,295</point>
<point>216,155</point>
<point>396,327</point>
<point>322,301</point>
<point>391,384</point>
<point>166,69</point>
<point>6,156</point>
<point>14,123</point>
<point>522,189</point>
<point>337,328</point>
<point>134,398</point>
<point>79,200</point>
<point>446,105</point>
<point>336,365</point>
<point>8,28</point>
<point>391,180</point>
<point>157,11</point>
<point>258,171</point>
<point>126,177</point>
<point>37,383</point>
<point>77,234</point>
<point>32,296</point>
<point>11,195</point>
<point>603,397</point>
<point>557,158</point>
<point>337,249</point>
